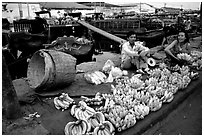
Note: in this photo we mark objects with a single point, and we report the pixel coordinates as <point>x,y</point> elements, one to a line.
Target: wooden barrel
<point>50,69</point>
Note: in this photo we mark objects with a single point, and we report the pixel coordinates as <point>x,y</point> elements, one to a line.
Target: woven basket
<point>49,69</point>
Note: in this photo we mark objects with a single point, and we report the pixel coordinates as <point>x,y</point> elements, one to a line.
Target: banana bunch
<point>128,121</point>
<point>151,89</point>
<point>154,103</point>
<point>172,88</point>
<point>82,111</point>
<point>165,72</point>
<point>152,81</point>
<point>96,77</point>
<point>163,84</point>
<point>185,70</point>
<point>197,64</point>
<point>160,91</point>
<point>162,65</point>
<point>175,68</point>
<point>185,81</point>
<point>63,101</point>
<point>168,97</point>
<point>116,115</point>
<point>184,56</point>
<point>105,128</point>
<point>173,79</point>
<point>194,75</point>
<point>97,100</point>
<point>196,54</point>
<point>141,96</point>
<point>141,111</point>
<point>96,119</point>
<point>79,127</point>
<point>155,72</point>
<point>136,82</point>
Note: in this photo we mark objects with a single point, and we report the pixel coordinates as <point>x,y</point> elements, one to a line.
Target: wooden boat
<point>83,52</point>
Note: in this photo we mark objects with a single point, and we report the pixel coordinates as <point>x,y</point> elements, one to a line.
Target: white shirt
<point>129,51</point>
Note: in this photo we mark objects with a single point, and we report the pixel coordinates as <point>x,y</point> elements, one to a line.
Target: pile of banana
<point>184,56</point>
<point>97,100</point>
<point>82,111</point>
<point>63,101</point>
<point>121,117</point>
<point>96,77</point>
<point>131,99</point>
<point>89,122</point>
<point>99,125</point>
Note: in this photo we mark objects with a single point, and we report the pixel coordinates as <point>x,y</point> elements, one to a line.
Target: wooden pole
<point>11,106</point>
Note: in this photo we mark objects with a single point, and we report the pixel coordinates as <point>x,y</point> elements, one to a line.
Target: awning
<point>64,5</point>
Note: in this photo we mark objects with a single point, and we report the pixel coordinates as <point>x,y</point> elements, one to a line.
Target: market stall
<point>55,117</point>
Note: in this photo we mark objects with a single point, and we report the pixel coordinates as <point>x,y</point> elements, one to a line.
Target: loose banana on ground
<point>63,101</point>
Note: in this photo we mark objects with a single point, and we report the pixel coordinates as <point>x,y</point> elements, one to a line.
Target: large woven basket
<point>50,69</point>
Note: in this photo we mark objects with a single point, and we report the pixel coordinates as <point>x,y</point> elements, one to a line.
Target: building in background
<point>19,10</point>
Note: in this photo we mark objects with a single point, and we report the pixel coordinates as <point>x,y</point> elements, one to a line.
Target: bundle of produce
<point>185,81</point>
<point>127,122</point>
<point>97,100</point>
<point>63,101</point>
<point>96,77</point>
<point>154,103</point>
<point>197,64</point>
<point>141,97</point>
<point>82,111</point>
<point>168,97</point>
<point>172,88</point>
<point>185,71</point>
<point>120,117</point>
<point>155,72</point>
<point>196,54</point>
<point>136,82</point>
<point>141,110</point>
<point>162,65</point>
<point>79,127</point>
<point>108,66</point>
<point>194,75</point>
<point>152,81</point>
<point>99,126</point>
<point>184,57</point>
<point>175,68</point>
<point>96,119</point>
<point>114,74</point>
<point>105,128</point>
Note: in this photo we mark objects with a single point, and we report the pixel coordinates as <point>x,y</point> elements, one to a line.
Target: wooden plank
<point>104,33</point>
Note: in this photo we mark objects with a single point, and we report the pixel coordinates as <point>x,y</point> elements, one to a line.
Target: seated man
<point>131,51</point>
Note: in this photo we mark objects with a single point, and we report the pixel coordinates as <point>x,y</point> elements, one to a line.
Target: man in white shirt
<point>131,51</point>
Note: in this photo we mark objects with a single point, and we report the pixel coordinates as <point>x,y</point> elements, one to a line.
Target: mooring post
<point>10,105</point>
